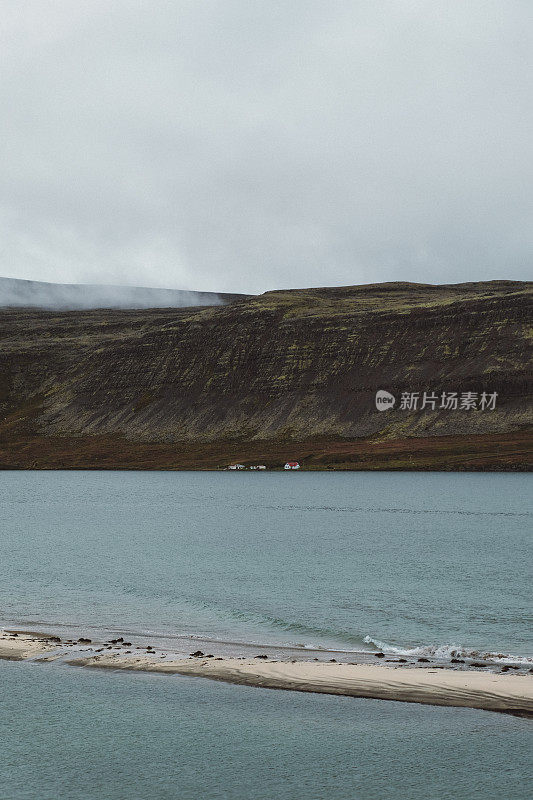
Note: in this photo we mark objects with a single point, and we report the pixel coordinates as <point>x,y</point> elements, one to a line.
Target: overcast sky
<point>246,145</point>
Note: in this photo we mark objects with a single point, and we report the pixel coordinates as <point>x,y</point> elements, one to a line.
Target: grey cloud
<point>244,146</point>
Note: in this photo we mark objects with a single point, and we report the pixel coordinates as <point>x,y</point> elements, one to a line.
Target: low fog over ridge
<point>70,296</point>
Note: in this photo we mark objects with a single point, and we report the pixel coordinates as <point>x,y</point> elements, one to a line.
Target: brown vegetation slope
<point>285,374</point>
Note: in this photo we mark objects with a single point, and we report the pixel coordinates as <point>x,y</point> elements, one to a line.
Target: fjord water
<point>335,560</point>
<point>323,559</point>
<point>69,733</point>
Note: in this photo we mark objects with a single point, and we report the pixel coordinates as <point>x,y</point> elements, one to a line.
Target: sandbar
<point>512,694</point>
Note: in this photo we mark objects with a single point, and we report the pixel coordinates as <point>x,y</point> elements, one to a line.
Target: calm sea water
<point>68,733</point>
<point>426,561</point>
<point>324,559</point>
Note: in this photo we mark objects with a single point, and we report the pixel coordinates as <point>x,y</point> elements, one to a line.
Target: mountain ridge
<point>289,371</point>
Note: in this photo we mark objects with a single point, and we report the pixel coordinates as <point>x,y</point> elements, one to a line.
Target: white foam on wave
<point>447,652</point>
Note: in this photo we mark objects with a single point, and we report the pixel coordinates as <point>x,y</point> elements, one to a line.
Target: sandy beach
<point>433,685</point>
<point>488,691</point>
<point>20,646</point>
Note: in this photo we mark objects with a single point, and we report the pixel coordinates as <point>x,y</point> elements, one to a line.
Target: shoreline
<point>180,645</point>
<point>510,694</point>
<point>478,452</point>
<point>431,685</point>
<point>21,646</point>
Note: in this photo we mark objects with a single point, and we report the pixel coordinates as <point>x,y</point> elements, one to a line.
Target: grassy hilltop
<point>287,374</point>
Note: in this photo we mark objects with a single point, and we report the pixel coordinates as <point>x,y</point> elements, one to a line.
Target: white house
<point>236,466</point>
<point>292,465</point>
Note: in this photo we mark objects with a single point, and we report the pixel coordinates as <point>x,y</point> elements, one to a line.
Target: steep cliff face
<point>283,368</point>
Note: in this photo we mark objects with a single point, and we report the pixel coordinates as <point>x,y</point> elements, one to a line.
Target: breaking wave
<point>447,652</point>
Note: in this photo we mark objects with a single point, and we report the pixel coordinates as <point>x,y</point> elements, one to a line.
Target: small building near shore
<point>236,466</point>
<point>292,465</point>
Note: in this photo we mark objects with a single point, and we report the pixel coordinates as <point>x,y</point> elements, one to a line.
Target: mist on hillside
<point>63,296</point>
